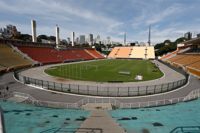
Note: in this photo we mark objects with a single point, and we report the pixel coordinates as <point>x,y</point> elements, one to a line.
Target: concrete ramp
<point>100,119</point>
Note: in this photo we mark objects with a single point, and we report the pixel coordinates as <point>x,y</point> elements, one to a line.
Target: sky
<point>169,19</point>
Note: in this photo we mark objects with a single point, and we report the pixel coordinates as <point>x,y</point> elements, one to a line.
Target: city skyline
<point>113,18</point>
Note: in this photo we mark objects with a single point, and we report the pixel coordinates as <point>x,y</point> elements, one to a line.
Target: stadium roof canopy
<point>193,41</point>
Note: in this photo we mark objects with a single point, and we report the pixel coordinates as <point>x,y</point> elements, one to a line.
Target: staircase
<point>23,55</point>
<point>90,54</point>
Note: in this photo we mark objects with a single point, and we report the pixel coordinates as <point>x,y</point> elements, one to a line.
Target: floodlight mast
<point>124,38</point>
<point>149,40</point>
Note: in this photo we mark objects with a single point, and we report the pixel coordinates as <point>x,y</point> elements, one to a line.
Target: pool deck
<point>100,119</point>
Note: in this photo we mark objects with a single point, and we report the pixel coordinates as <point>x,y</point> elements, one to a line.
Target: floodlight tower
<point>33,27</point>
<point>57,36</point>
<point>149,40</point>
<point>124,38</point>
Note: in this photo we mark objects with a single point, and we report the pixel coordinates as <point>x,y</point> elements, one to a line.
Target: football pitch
<point>107,70</point>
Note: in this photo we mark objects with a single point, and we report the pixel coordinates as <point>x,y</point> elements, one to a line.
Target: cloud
<point>168,12</point>
<point>107,18</point>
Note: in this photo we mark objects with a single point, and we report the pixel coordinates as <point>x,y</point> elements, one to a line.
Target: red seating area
<point>95,54</point>
<point>41,54</point>
<point>50,55</point>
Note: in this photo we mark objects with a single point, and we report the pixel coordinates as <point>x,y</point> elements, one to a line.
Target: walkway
<point>101,119</point>
<point>170,75</point>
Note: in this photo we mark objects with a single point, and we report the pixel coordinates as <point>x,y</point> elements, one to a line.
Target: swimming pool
<point>159,119</point>
<point>23,118</point>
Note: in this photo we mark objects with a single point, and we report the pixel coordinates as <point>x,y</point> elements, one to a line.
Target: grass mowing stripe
<point>107,70</point>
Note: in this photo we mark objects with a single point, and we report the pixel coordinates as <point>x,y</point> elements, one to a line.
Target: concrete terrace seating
<point>11,59</point>
<point>194,68</point>
<point>169,55</point>
<point>133,52</point>
<point>41,54</point>
<point>81,53</point>
<point>175,58</point>
<point>113,53</point>
<point>124,52</point>
<point>94,53</point>
<point>139,52</point>
<point>187,60</point>
<point>46,55</point>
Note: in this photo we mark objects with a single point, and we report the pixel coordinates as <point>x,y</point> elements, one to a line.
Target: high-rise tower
<point>33,27</point>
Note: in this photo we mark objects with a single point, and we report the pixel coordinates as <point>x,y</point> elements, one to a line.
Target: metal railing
<point>191,96</point>
<point>2,125</point>
<point>103,90</point>
<point>113,101</point>
<point>186,129</point>
<point>33,101</point>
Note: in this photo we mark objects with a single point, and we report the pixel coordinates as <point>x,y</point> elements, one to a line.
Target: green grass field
<point>107,70</point>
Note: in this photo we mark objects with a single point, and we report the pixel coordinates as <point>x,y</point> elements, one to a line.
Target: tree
<point>40,37</point>
<point>167,46</point>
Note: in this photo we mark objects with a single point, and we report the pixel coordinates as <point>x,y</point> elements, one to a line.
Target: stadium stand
<point>113,52</point>
<point>175,58</point>
<point>133,52</point>
<point>124,52</point>
<point>81,54</point>
<point>10,59</point>
<point>194,68</point>
<point>46,55</point>
<point>94,53</point>
<point>186,56</point>
<point>169,55</point>
<point>187,60</point>
<point>41,54</point>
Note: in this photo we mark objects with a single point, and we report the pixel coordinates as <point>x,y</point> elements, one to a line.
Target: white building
<point>73,38</point>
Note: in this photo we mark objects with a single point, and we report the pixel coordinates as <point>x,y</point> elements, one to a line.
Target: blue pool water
<point>172,116</point>
<point>23,118</point>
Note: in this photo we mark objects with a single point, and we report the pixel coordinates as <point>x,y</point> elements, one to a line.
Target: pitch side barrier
<point>99,90</point>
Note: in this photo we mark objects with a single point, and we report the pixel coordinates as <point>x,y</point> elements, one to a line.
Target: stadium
<point>82,78</point>
<point>55,88</point>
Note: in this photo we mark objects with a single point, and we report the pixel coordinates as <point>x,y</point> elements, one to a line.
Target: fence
<point>115,103</point>
<point>191,96</point>
<point>32,100</point>
<point>102,90</point>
